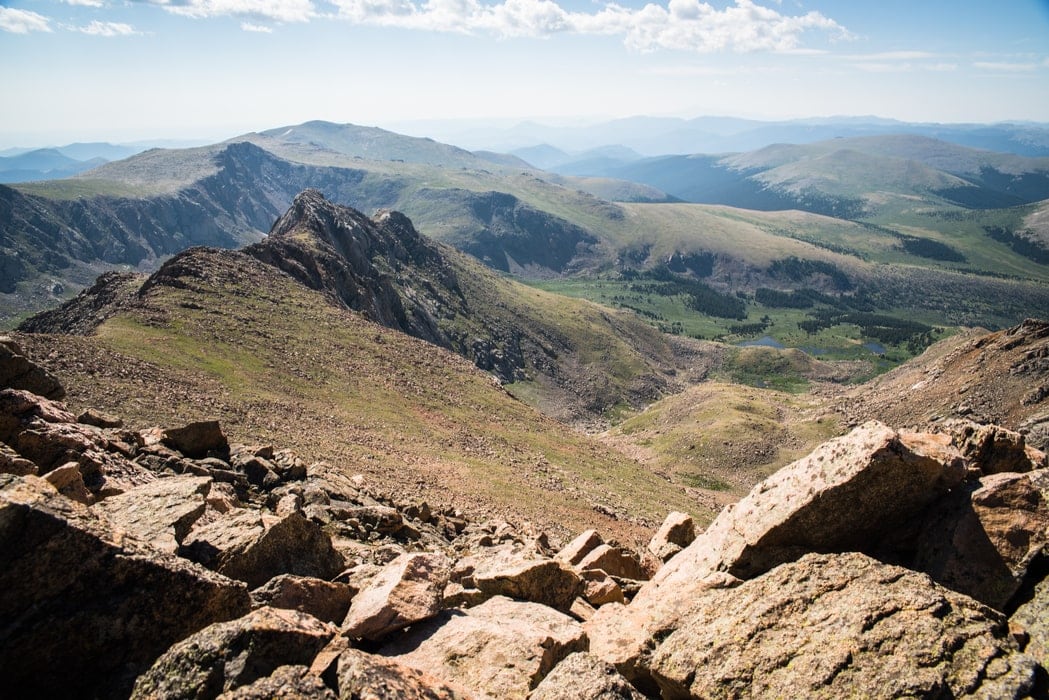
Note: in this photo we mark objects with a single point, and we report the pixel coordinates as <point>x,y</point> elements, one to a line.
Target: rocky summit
<point>169,563</point>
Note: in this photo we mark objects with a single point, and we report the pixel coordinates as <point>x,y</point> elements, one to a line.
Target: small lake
<point>765,341</point>
<point>876,348</point>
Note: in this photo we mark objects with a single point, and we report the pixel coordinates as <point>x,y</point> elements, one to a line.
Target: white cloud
<point>1005,67</point>
<point>22,21</point>
<point>260,28</point>
<point>97,28</point>
<point>891,56</point>
<point>688,25</point>
<point>275,10</point>
<point>85,3</point>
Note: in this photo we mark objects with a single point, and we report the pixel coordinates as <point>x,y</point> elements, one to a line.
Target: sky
<point>124,70</point>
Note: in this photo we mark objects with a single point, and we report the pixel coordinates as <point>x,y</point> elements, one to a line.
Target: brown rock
<point>369,677</point>
<point>573,552</point>
<point>253,547</point>
<point>994,449</point>
<point>600,589</point>
<point>841,625</point>
<point>408,590</point>
<point>80,594</point>
<point>1032,616</point>
<point>520,573</point>
<point>285,683</point>
<point>583,676</point>
<point>13,463</point>
<point>677,532</point>
<point>198,440</point>
<point>19,407</point>
<point>325,600</point>
<point>93,416</point>
<point>19,372</point>
<point>160,512</point>
<point>502,648</point>
<point>227,655</point>
<point>70,483</point>
<point>981,540</point>
<point>614,561</point>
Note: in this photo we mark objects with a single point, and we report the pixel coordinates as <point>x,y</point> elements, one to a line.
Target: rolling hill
<point>890,259</point>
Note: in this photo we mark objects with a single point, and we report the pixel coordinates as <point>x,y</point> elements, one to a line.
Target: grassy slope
<point>721,438</point>
<point>277,364</point>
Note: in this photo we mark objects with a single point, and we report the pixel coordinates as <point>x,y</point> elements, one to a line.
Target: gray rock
<point>285,683</point>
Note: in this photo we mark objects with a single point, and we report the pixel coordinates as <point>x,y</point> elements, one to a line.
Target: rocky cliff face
<point>167,563</point>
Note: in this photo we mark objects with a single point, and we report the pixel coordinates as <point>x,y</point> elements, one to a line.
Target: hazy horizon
<point>98,70</point>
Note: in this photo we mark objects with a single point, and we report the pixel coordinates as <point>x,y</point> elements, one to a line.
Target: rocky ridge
<point>168,563</point>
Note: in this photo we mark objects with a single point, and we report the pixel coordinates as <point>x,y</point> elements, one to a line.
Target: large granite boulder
<point>253,547</point>
<point>325,600</point>
<point>583,676</point>
<point>408,590</point>
<point>846,495</point>
<point>19,372</point>
<point>840,625</point>
<point>365,676</point>
<point>160,512</point>
<point>521,573</point>
<point>502,648</point>
<point>86,608</point>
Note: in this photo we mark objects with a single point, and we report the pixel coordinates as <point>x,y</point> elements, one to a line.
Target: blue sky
<point>118,70</point>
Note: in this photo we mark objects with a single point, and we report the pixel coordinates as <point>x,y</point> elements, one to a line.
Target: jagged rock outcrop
<point>369,265</point>
<point>840,625</point>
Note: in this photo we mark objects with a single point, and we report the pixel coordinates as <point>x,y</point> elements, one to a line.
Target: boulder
<point>583,676</point>
<point>13,463</point>
<point>18,408</point>
<point>847,495</point>
<point>19,372</point>
<point>840,625</point>
<point>677,532</point>
<point>87,608</point>
<point>285,683</point>
<point>573,552</point>
<point>614,561</point>
<point>99,419</point>
<point>369,677</point>
<point>227,655</point>
<point>325,600</point>
<point>1032,616</point>
<point>981,540</point>
<point>600,589</point>
<point>502,648</point>
<point>70,483</point>
<point>406,591</point>
<point>994,449</point>
<point>198,440</point>
<point>254,547</point>
<point>508,570</point>
<point>161,512</point>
